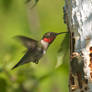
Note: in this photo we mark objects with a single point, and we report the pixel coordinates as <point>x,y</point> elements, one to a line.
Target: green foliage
<point>44,77</point>
<point>6,5</point>
<point>3,85</point>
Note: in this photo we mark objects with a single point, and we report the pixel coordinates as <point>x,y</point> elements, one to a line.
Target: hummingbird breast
<point>39,53</point>
<point>44,44</point>
<point>33,55</point>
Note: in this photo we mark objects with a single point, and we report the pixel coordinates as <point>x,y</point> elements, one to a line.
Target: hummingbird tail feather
<point>19,63</point>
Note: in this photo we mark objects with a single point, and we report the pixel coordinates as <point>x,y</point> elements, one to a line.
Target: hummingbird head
<point>50,36</point>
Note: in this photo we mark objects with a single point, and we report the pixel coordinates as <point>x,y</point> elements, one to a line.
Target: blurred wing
<point>27,42</point>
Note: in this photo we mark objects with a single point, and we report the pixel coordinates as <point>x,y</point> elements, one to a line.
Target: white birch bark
<point>78,17</point>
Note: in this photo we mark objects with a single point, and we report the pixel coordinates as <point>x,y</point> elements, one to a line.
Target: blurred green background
<point>18,18</point>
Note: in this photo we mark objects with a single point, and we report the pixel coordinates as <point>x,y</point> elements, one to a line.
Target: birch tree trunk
<point>78,17</point>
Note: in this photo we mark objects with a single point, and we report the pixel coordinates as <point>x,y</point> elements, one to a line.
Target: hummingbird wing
<point>27,42</point>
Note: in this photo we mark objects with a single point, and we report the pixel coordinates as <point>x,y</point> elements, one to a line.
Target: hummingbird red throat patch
<point>49,40</point>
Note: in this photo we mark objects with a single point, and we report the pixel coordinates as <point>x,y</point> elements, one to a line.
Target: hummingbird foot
<point>36,61</point>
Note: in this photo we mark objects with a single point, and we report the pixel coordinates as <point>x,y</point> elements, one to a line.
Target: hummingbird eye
<point>46,36</point>
<point>49,35</point>
<point>52,35</point>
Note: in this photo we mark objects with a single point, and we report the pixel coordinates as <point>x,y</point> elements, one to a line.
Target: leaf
<point>63,51</point>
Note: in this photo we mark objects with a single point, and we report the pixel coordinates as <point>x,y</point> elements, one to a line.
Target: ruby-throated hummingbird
<point>36,49</point>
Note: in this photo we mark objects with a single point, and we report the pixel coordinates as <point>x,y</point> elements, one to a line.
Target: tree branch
<point>78,17</point>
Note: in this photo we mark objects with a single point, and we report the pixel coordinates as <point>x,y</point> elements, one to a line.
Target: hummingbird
<point>36,49</point>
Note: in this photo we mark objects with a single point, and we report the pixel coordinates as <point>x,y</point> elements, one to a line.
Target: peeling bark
<point>78,17</point>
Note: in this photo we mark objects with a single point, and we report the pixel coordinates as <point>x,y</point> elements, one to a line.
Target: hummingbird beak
<point>60,33</point>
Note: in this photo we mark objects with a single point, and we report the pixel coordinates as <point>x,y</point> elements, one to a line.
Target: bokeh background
<point>19,18</point>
